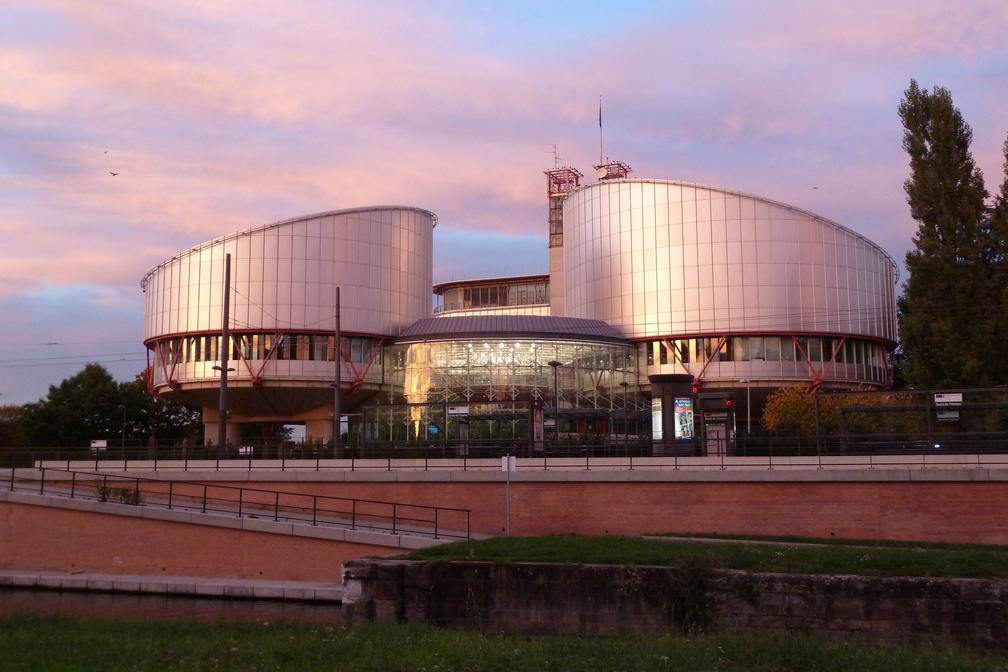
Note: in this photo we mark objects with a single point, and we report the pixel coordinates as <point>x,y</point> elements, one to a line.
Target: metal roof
<point>523,326</point>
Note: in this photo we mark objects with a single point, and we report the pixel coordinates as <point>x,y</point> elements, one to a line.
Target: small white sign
<point>509,463</point>
<point>948,398</point>
<point>458,410</point>
<point>99,443</point>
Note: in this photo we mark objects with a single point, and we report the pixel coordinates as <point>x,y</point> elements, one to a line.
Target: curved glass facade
<point>494,383</point>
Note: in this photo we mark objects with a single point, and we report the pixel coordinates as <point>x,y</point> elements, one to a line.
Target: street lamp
<point>222,411</point>
<point>626,432</point>
<point>748,412</point>
<point>122,444</point>
<point>556,397</point>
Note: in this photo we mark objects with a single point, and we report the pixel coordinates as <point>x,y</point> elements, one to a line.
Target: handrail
<point>400,522</point>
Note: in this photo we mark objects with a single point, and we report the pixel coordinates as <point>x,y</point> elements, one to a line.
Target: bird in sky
<point>113,174</point>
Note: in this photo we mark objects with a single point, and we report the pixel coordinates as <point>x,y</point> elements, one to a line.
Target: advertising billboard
<point>683,417</point>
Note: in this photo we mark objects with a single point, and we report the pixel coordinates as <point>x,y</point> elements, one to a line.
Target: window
<point>787,349</point>
<point>815,349</point>
<point>772,348</point>
<point>741,348</point>
<point>650,347</point>
<point>662,353</point>
<point>756,349</point>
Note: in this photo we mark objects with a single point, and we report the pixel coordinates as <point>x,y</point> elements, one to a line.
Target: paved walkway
<point>180,586</point>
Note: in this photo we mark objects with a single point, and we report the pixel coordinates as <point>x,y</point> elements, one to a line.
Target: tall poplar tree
<point>999,276</point>
<point>948,325</point>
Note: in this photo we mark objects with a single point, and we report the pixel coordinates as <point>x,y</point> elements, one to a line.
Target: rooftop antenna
<point>608,170</point>
<point>600,130</point>
<point>556,157</point>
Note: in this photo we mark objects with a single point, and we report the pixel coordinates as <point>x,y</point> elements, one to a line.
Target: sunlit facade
<point>661,295</point>
<point>494,370</point>
<point>727,286</point>
<point>282,305</point>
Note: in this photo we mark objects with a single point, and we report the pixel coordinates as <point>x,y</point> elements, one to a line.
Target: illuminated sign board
<point>656,420</point>
<point>683,417</point>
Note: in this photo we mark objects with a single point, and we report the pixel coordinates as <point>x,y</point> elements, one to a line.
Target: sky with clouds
<point>220,116</point>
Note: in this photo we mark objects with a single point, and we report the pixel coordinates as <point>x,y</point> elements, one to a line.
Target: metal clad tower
<point>559,182</point>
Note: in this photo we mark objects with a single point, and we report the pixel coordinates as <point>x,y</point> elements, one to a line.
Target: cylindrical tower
<point>284,277</point>
<point>731,288</point>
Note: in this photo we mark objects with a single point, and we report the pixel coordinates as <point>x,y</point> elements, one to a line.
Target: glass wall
<point>496,295</point>
<point>489,386</point>
<point>261,346</point>
<point>855,359</point>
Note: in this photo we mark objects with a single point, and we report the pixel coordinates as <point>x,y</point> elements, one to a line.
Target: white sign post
<point>508,464</point>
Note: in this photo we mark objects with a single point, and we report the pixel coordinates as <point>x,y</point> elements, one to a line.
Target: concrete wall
<point>57,539</point>
<point>579,600</point>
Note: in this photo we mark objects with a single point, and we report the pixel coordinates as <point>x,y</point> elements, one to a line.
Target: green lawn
<point>900,560</point>
<point>42,644</point>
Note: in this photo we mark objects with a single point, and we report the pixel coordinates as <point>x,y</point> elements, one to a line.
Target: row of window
<point>313,347</point>
<point>487,296</point>
<point>766,348</point>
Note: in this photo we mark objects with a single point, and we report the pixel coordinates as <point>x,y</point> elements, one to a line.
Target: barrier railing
<point>439,522</point>
<point>584,462</point>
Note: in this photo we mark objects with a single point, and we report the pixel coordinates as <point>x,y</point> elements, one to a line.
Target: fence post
<point>73,483</point>
<point>314,509</point>
<point>468,516</point>
<point>241,496</point>
<point>393,519</point>
<point>276,506</point>
<point>170,488</point>
<point>42,482</point>
<point>204,497</point>
<point>12,478</point>
<point>353,514</point>
<point>435,523</point>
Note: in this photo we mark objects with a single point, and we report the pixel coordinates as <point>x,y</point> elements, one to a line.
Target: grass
<point>43,644</point>
<point>929,561</point>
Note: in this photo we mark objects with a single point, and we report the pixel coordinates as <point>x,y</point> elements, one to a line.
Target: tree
<point>948,325</point>
<point>82,408</point>
<point>999,278</point>
<point>11,434</point>
<point>92,405</point>
<point>149,416</point>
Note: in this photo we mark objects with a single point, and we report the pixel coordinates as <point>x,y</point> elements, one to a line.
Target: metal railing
<point>439,522</point>
<point>586,461</point>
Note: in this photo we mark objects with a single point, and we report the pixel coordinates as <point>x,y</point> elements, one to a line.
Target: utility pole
<point>225,348</point>
<point>337,382</point>
<point>556,398</point>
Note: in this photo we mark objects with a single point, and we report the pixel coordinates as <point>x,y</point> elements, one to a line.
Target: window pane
<point>772,350</point>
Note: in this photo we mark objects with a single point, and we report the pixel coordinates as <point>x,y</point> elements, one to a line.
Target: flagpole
<point>600,130</point>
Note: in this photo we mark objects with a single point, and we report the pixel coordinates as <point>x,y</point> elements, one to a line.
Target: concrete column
<point>319,430</point>
<point>233,432</point>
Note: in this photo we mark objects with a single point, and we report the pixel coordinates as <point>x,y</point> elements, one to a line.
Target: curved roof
<point>779,204</point>
<point>521,326</point>
<point>282,222</point>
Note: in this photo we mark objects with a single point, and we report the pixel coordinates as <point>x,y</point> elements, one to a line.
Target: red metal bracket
<point>699,377</point>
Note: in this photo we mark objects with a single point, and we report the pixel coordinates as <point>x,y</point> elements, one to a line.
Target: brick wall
<point>948,511</point>
<point>41,538</point>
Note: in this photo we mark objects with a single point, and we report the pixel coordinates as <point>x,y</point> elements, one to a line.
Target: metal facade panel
<point>661,259</point>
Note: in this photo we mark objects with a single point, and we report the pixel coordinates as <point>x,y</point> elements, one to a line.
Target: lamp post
<point>748,411</point>
<point>337,381</point>
<point>223,411</point>
<point>122,443</point>
<point>626,432</point>
<point>556,398</point>
<point>225,351</point>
